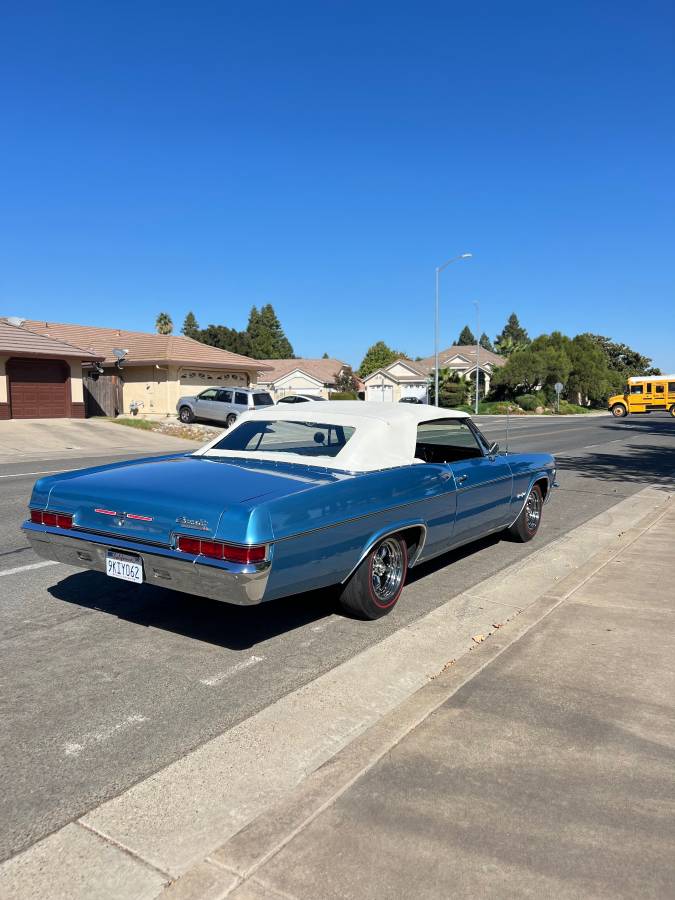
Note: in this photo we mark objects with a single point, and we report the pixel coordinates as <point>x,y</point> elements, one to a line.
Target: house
<point>401,378</point>
<point>462,359</point>
<point>126,371</point>
<point>317,377</point>
<point>40,377</point>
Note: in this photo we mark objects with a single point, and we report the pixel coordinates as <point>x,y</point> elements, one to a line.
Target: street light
<point>439,269</point>
<point>476,303</point>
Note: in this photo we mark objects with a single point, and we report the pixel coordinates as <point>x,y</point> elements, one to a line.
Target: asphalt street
<point>104,683</point>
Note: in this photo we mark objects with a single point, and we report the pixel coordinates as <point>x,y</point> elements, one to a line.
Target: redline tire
<point>527,524</point>
<point>375,587</point>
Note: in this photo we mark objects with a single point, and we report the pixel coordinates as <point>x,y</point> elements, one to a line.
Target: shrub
<point>343,395</point>
<point>528,402</point>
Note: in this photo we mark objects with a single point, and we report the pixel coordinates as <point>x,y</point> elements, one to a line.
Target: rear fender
<point>407,525</point>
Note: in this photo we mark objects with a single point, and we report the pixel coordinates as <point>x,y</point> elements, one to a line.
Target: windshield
<point>281,436</point>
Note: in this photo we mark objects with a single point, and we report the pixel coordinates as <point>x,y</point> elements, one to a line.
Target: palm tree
<point>164,323</point>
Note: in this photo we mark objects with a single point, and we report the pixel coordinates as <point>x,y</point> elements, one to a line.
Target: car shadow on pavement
<point>446,559</point>
<point>633,463</point>
<point>199,618</point>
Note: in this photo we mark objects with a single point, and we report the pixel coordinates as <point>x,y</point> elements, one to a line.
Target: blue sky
<point>326,156</point>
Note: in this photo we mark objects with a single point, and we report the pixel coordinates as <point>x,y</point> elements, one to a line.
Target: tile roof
<point>144,347</point>
<point>468,352</point>
<point>324,370</point>
<point>18,341</point>
<point>415,374</point>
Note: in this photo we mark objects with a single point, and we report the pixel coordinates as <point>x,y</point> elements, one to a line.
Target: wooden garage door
<point>38,388</point>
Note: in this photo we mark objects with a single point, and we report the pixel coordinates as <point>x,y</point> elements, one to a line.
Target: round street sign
<point>558,387</point>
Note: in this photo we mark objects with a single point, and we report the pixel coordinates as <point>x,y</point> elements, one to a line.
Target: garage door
<point>381,392</point>
<point>38,389</point>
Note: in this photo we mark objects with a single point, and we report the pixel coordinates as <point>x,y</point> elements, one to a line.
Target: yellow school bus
<point>643,394</point>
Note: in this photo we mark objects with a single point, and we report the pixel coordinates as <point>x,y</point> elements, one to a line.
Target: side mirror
<point>493,449</point>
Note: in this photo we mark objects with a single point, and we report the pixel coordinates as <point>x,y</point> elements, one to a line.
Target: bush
<point>567,409</point>
<point>528,402</point>
<point>343,395</point>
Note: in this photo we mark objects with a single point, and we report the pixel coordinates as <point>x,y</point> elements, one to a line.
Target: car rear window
<point>262,400</point>
<point>282,436</point>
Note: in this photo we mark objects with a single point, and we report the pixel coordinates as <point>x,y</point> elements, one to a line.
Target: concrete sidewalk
<point>547,771</point>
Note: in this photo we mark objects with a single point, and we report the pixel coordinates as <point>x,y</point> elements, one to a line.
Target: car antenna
<point>508,410</point>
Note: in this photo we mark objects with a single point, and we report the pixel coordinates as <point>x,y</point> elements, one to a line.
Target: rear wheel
<point>186,415</point>
<point>374,588</point>
<point>527,524</point>
<point>619,411</point>
<point>672,410</point>
<point>230,420</point>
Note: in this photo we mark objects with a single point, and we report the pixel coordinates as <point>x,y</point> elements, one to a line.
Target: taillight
<point>220,550</point>
<point>53,519</point>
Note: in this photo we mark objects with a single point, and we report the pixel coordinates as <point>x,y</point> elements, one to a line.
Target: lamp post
<point>476,303</point>
<point>439,269</point>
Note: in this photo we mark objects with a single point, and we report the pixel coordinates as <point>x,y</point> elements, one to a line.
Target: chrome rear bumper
<point>229,582</point>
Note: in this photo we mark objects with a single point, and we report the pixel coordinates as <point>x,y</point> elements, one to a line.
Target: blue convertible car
<point>295,498</point>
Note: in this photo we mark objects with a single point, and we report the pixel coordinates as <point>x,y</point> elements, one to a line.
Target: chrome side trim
<point>387,532</point>
<point>369,515</point>
<point>483,483</point>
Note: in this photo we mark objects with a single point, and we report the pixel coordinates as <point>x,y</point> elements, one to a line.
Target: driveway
<point>24,439</point>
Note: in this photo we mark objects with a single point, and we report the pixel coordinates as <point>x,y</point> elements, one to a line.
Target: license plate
<point>126,566</point>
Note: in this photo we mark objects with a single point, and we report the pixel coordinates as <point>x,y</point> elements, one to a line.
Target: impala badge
<point>200,524</point>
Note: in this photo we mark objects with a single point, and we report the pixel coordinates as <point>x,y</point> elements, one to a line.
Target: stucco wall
<point>76,389</point>
<point>158,389</point>
<point>296,383</point>
<point>4,387</point>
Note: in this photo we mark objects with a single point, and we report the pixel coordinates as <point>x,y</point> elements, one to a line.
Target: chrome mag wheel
<point>387,570</point>
<point>533,510</point>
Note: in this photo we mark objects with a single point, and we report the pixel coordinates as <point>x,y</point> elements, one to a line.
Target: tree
<point>266,336</point>
<point>486,343</point>
<point>345,382</point>
<point>226,339</point>
<point>164,323</point>
<point>621,358</point>
<point>325,356</point>
<point>466,337</point>
<point>578,363</point>
<point>512,337</point>
<point>377,357</point>
<point>452,389</point>
<point>190,326</point>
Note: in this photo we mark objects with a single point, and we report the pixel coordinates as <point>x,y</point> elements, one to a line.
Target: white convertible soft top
<point>385,433</point>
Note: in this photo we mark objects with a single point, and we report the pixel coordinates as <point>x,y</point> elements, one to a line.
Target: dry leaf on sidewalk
<point>478,638</point>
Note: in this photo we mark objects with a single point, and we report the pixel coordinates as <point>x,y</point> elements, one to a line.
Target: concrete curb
<point>239,858</point>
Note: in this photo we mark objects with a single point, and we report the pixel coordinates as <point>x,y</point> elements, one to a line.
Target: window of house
<point>446,440</point>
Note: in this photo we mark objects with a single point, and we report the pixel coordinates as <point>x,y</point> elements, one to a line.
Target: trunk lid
<point>151,499</point>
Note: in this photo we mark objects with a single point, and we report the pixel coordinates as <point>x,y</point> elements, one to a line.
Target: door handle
<point>460,478</point>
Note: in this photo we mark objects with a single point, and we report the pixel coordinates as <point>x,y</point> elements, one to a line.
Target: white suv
<point>221,404</point>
